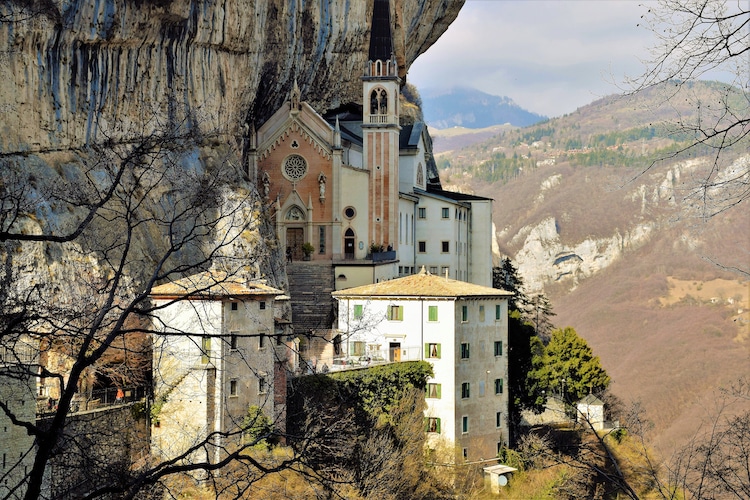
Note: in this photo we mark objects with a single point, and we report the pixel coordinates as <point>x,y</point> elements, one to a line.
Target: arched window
<point>379,102</point>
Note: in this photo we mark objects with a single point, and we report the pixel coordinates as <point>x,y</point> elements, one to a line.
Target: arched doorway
<point>295,232</point>
<point>349,244</point>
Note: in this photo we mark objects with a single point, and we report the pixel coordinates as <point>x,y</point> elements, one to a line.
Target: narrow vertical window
<point>465,390</point>
<point>465,350</point>
<point>465,427</point>
<point>205,349</point>
<point>498,348</point>
<point>322,239</point>
<point>498,312</point>
<point>232,387</point>
<point>464,313</point>
<point>498,386</point>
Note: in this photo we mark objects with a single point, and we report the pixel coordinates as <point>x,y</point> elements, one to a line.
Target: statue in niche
<point>322,186</point>
<point>266,184</point>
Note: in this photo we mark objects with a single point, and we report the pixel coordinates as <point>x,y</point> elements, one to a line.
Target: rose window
<point>295,167</point>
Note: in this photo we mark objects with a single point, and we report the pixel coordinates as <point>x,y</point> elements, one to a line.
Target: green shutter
<point>438,351</point>
<point>439,390</point>
<point>357,311</point>
<point>433,313</point>
<point>438,426</point>
<point>426,351</point>
<point>400,313</point>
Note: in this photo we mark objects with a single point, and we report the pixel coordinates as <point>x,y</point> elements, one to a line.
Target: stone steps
<point>310,288</point>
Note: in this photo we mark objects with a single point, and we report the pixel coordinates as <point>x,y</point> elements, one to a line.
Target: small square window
<point>445,271</point>
<point>432,425</point>
<point>358,311</point>
<point>395,313</point>
<point>465,390</point>
<point>432,314</point>
<point>498,348</point>
<point>433,391</point>
<point>422,213</point>
<point>446,246</point>
<point>262,304</point>
<point>433,269</point>
<point>465,350</point>
<point>232,387</point>
<point>234,306</point>
<point>233,342</point>
<point>432,351</point>
<point>422,246</point>
<point>445,213</point>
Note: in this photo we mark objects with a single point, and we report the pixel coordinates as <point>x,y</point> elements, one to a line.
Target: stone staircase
<point>310,287</point>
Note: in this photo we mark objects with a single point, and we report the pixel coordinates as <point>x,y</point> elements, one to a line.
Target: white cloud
<point>551,57</point>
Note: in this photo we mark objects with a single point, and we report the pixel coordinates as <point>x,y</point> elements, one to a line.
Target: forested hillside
<point>648,267</point>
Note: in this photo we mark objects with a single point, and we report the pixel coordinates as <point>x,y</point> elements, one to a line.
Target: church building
<point>358,191</point>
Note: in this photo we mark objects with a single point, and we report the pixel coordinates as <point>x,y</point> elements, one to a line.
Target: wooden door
<point>394,349</point>
<point>295,237</point>
<point>349,244</point>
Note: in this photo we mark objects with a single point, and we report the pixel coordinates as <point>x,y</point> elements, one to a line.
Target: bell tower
<point>380,127</point>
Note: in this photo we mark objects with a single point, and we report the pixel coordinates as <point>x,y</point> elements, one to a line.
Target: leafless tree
<point>84,237</point>
<point>705,39</point>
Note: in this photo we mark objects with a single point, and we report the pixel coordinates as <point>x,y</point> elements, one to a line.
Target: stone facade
<point>214,359</point>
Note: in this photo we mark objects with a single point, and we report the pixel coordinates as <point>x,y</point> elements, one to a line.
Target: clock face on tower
<point>294,168</point>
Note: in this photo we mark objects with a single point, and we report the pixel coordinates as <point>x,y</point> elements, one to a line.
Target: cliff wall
<point>76,72</point>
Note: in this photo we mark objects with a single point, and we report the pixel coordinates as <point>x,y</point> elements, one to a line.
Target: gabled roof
<point>591,400</point>
<point>423,284</point>
<point>212,285</point>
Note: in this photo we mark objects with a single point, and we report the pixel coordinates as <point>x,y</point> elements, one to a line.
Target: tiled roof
<point>213,284</point>
<point>422,284</point>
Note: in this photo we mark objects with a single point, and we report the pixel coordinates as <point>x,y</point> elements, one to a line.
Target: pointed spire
<point>381,40</point>
<point>337,134</point>
<point>295,97</point>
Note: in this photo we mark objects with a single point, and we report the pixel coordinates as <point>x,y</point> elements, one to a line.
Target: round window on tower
<point>295,167</point>
<point>349,212</point>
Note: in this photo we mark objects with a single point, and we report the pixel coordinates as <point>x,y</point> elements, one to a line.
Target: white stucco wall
<point>415,331</point>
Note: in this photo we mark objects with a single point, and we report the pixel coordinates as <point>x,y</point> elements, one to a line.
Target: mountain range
<point>652,277</point>
<point>471,108</point>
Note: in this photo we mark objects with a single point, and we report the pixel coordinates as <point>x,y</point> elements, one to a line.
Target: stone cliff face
<point>546,254</point>
<point>76,72</point>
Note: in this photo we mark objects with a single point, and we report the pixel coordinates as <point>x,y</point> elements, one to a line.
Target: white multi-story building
<point>461,329</point>
<point>213,359</point>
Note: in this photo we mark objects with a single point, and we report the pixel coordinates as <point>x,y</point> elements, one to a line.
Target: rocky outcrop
<point>76,72</point>
<point>545,259</point>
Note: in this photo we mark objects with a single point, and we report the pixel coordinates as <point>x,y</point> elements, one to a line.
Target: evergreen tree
<point>567,366</point>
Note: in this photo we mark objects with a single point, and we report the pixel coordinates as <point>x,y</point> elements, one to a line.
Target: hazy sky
<point>550,57</point>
